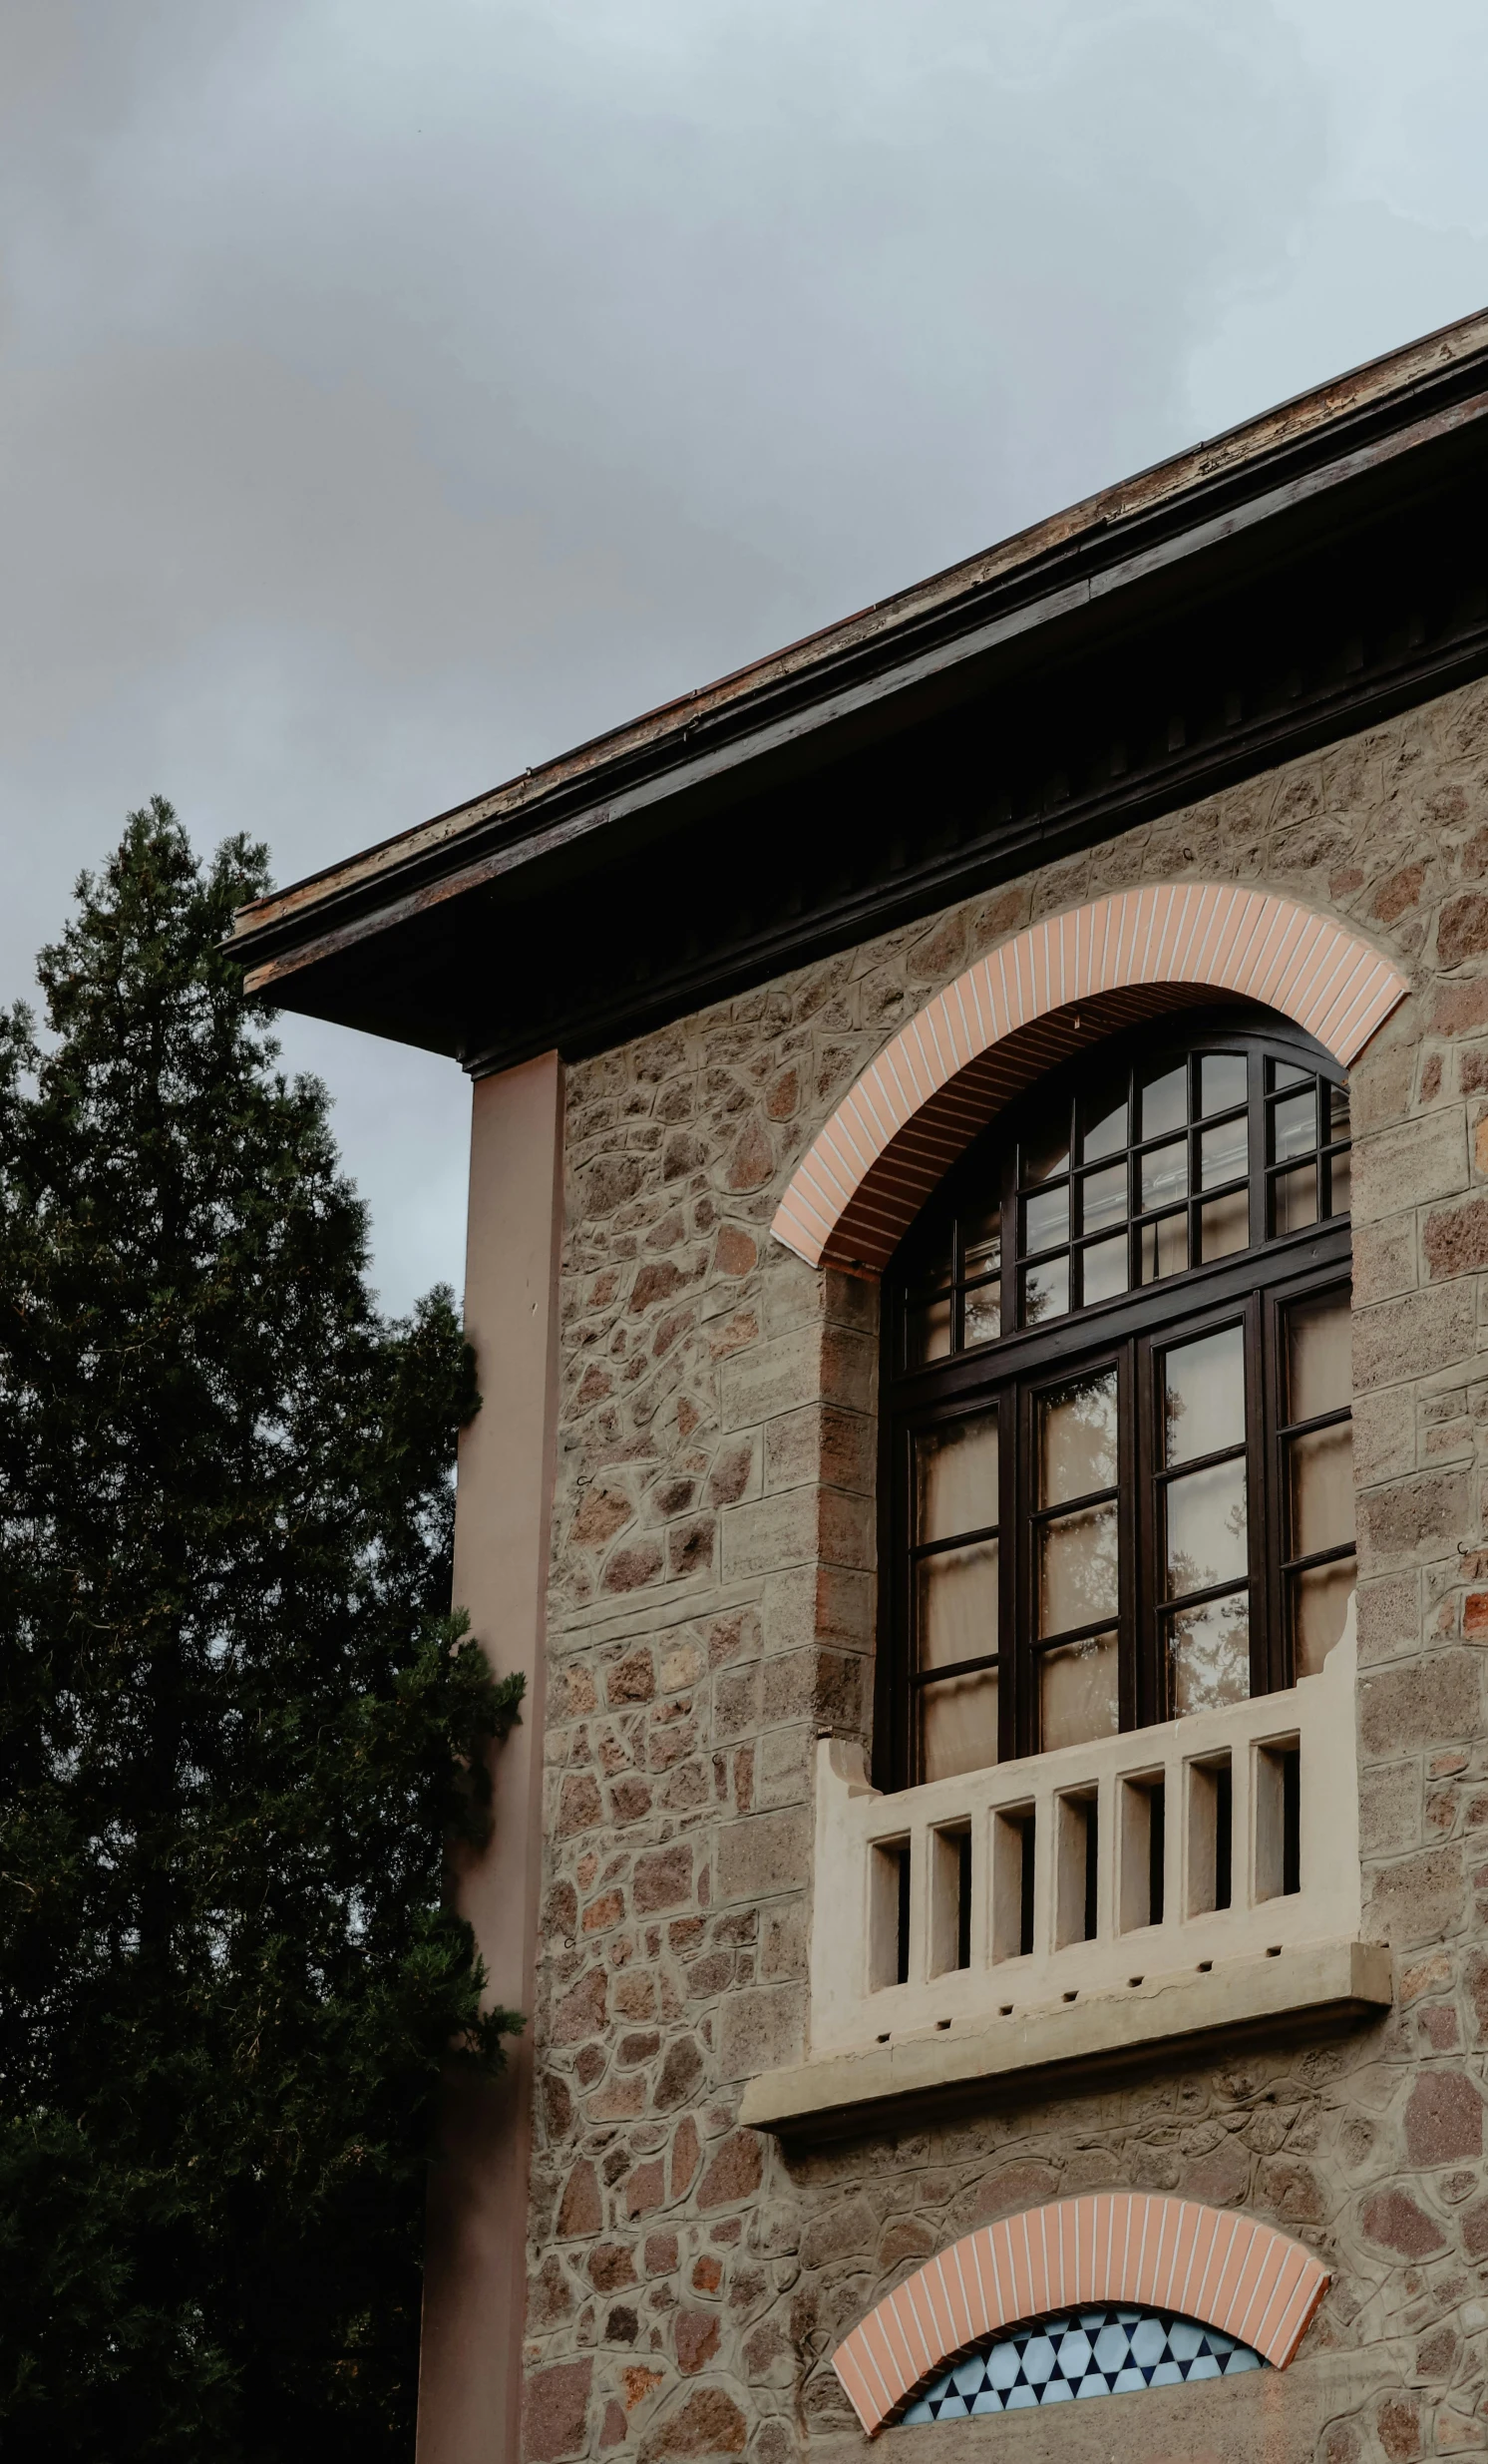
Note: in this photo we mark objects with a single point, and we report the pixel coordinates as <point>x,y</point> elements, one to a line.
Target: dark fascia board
<point>1086,572</point>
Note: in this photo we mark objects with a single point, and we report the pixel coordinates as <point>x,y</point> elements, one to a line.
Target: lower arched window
<point>1118,1468</point>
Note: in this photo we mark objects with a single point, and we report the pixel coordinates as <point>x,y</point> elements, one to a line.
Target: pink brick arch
<point>1033,1002</point>
<point>1229,2271</point>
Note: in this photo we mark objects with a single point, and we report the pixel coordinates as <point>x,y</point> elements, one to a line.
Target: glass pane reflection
<point>1208,1655</point>
<point>1077,1571</point>
<point>1320,1480</point>
<point>1077,1693</point>
<point>1319,1366</point>
<point>1319,1607</point>
<point>958,1725</point>
<point>957,1605</point>
<point>1224,1079</point>
<point>955,1468</point>
<point>1207,1539</point>
<point>1077,1439</point>
<point>1205,1396</point>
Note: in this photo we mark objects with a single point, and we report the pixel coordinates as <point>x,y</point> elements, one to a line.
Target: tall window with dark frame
<point>1118,1473</point>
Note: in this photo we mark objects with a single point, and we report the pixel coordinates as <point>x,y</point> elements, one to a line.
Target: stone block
<point>1389,1617</point>
<point>555,2411</point>
<point>764,1855</point>
<point>1389,1809</point>
<point>1421,1517</point>
<point>1417,1900</point>
<point>1414,1336</point>
<point>761,2029</point>
<point>1384,1259</point>
<point>769,1534</point>
<point>1410,1164</point>
<point>1432,1702</point>
<point>1384,1436</point>
<point>771,1378</point>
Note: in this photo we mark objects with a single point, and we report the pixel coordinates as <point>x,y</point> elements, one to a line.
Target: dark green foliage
<point>234,1727</point>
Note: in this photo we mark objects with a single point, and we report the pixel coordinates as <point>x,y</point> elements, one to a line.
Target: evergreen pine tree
<point>235,1725</point>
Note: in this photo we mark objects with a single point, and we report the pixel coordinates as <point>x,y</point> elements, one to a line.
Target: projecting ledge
<point>1329,1982</point>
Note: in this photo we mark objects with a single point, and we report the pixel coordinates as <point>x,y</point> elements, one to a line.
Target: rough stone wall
<point>712,1608</point>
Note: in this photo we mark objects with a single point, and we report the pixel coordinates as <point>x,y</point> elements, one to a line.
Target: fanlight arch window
<point>1119,1479</point>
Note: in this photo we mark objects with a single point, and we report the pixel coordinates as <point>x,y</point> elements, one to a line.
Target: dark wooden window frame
<point>1251,1287</point>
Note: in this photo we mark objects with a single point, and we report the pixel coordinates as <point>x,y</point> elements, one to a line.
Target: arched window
<point>1119,1481</point>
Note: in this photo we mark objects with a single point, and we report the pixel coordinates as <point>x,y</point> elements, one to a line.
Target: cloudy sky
<point>395,392</point>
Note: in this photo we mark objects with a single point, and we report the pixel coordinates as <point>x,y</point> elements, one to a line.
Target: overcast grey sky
<point>395,392</point>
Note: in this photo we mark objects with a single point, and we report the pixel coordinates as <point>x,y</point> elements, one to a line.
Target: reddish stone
<point>603,1512</point>
<point>730,1476</point>
<point>686,2155</point>
<point>646,2190</point>
<point>604,1911</point>
<point>1475,2231</point>
<point>1400,890</point>
<point>591,2065</point>
<point>736,1252</point>
<point>1431,1079</point>
<point>1438,2025</point>
<point>630,1568</point>
<point>663,1879</point>
<point>554,2412</point>
<point>753,1158</point>
<point>734,2172</point>
<point>1444,2119</point>
<point>594,1387</point>
<point>1436,2354</point>
<point>614,2425</point>
<point>1223,2174</point>
<point>631,1680</point>
<point>707,2423</point>
<point>680,2073</point>
<point>581,1806</point>
<point>1397,2223</point>
<point>1462,928</point>
<point>581,2009</point>
<point>689,1547</point>
<point>580,2210</point>
<point>696,2335</point>
<point>707,2275</point>
<point>558,2106</point>
<point>1399,2422</point>
<point>550,2299</point>
<point>623,2325</point>
<point>654,1282</point>
<point>1016,2186</point>
<point>1460,1009</point>
<point>630,1801</point>
<point>763,2348</point>
<point>611,2267</point>
<point>662,2253</point>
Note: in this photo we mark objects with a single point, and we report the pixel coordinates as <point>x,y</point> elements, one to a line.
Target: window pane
<point>1208,1655</point>
<point>981,1242</point>
<point>1320,1363</point>
<point>1106,1268</point>
<point>1338,1112</point>
<point>1287,1073</point>
<point>927,1332</point>
<point>1204,1395</point>
<point>957,1605</point>
<point>1294,1200</point>
<point>1225,1225</point>
<point>1165,1174</point>
<point>1224,1079</point>
<point>1294,1126</point>
<point>1206,1541</point>
<point>958,1725</point>
<point>1077,1439</point>
<point>1104,1119</point>
<point>1223,1153</point>
<point>1046,1149</point>
<point>1165,1101</point>
<point>982,1321</point>
<point>1103,1198</point>
<point>1319,1606</point>
<point>1046,1219</point>
<point>1078,1569</point>
<point>1165,1246</point>
<point>1045,1291</point>
<point>1077,1693</point>
<point>955,1477</point>
<point>1319,1482</point>
<point>1342,1179</point>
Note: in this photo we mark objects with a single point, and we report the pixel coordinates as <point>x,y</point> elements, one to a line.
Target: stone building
<point>968,1115</point>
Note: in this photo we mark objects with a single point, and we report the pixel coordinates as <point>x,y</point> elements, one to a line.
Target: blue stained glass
<point>1114,2350</point>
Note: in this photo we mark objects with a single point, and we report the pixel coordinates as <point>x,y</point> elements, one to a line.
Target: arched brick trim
<point>1011,1016</point>
<point>1229,2271</point>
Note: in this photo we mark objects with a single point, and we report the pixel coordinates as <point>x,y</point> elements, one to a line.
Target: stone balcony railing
<point>1078,1906</point>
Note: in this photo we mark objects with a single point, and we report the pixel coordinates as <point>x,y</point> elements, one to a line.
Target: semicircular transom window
<point>1118,1396</point>
<point>1108,2349</point>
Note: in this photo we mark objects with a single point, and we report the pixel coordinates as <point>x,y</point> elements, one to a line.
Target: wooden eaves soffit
<point>1272,590</point>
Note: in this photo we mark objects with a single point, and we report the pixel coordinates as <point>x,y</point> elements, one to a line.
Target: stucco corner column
<point>475,2279</point>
